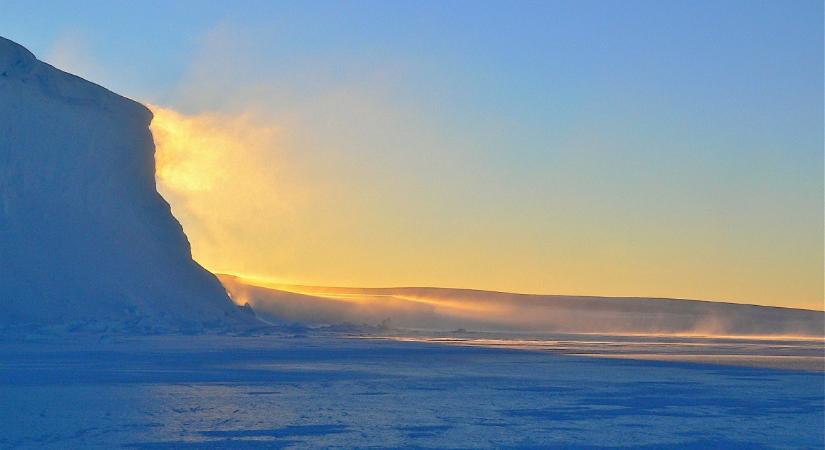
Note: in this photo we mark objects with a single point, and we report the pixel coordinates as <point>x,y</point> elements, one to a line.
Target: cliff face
<point>84,234</point>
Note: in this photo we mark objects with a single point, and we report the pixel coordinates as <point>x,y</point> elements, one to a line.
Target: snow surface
<point>85,238</point>
<point>308,389</point>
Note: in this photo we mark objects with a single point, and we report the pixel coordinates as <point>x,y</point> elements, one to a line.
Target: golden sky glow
<point>254,201</point>
<point>224,192</point>
<point>384,148</point>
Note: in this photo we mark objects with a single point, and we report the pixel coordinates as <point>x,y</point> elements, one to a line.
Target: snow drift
<point>447,309</point>
<point>84,234</point>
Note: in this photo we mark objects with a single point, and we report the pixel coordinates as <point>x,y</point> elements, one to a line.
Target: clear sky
<point>651,148</point>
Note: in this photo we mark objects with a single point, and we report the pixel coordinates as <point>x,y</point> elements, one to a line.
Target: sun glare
<point>221,175</point>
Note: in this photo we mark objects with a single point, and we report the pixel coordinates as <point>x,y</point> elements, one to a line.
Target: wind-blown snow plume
<point>222,175</point>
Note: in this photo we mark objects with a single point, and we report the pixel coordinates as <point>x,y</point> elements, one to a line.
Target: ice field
<point>316,389</point>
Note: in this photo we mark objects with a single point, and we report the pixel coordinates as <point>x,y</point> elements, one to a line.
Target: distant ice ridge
<point>450,309</point>
<point>85,238</point>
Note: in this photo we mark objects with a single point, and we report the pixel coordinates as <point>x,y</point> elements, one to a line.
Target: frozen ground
<point>321,390</point>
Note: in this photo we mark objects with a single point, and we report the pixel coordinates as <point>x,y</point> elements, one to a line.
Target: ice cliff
<point>84,235</point>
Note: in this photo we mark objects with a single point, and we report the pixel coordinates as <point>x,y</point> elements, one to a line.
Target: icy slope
<point>445,309</point>
<point>84,235</point>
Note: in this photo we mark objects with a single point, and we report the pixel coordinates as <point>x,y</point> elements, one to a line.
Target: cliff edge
<point>84,235</point>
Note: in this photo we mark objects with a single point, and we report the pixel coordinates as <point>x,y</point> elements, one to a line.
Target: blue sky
<point>584,147</point>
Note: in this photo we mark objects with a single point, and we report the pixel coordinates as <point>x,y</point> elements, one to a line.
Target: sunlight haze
<point>373,144</point>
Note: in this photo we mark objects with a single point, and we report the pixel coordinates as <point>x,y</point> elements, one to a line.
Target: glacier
<point>85,238</point>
